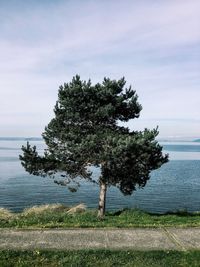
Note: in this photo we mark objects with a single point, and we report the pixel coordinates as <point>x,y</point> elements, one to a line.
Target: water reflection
<point>176,185</point>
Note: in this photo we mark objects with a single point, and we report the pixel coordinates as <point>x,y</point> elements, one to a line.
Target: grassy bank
<point>59,216</point>
<point>105,258</point>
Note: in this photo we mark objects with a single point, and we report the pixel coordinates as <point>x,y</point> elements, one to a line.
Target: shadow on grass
<point>180,213</point>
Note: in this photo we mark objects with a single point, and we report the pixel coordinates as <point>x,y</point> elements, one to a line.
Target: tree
<point>85,132</point>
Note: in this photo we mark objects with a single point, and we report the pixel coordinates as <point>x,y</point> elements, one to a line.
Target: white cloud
<point>154,44</point>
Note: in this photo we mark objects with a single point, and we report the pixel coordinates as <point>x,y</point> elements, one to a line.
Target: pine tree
<point>85,132</point>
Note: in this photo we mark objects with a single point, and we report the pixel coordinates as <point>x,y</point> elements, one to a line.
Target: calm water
<point>176,185</point>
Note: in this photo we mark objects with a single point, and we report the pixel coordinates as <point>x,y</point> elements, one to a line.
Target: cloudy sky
<point>155,44</point>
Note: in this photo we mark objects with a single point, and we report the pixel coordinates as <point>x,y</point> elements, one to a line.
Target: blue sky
<point>154,44</point>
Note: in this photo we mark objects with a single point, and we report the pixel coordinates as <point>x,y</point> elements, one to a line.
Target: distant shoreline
<point>21,139</point>
<point>13,138</point>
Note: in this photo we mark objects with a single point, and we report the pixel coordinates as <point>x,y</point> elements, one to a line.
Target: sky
<point>155,45</point>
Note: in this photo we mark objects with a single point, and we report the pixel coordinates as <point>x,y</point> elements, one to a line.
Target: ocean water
<point>175,186</point>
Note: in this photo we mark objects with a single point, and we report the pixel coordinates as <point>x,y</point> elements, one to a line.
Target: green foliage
<point>99,257</point>
<point>85,132</point>
<point>128,218</point>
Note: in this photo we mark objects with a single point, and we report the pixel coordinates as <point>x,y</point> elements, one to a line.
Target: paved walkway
<point>138,239</point>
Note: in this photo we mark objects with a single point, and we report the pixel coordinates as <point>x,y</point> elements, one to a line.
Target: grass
<point>5,214</point>
<point>104,258</point>
<point>59,216</point>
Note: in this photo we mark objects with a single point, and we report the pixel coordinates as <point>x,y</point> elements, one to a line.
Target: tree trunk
<point>102,200</point>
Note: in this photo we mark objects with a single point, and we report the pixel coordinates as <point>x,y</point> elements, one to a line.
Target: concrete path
<point>137,239</point>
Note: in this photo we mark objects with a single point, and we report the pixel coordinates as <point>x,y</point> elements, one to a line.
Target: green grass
<point>104,258</point>
<point>61,218</point>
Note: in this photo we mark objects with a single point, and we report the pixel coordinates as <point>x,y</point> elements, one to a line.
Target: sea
<point>173,187</point>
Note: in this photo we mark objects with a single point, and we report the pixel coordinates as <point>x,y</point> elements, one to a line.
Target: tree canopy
<point>85,131</point>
